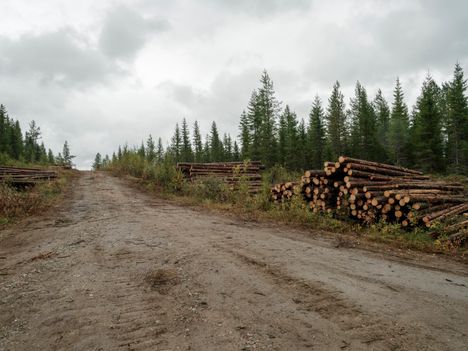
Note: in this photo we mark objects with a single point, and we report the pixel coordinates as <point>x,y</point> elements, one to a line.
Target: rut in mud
<point>118,269</point>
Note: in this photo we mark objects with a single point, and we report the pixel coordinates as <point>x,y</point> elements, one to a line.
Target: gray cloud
<point>125,32</point>
<point>60,57</point>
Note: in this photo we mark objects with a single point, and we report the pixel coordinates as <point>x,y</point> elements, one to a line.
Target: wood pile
<point>370,191</point>
<point>25,176</point>
<point>283,192</point>
<point>232,174</point>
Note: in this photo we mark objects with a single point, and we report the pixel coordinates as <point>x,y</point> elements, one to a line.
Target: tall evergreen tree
<point>245,136</point>
<point>426,134</point>
<point>254,123</point>
<point>186,151</point>
<point>97,162</point>
<point>142,151</point>
<point>336,123</point>
<point>31,147</point>
<point>67,156</point>
<point>457,123</point>
<point>269,108</point>
<point>197,143</point>
<point>316,136</point>
<point>382,113</point>
<point>160,151</point>
<point>150,149</point>
<point>176,145</point>
<point>227,148</point>
<point>216,146</point>
<point>398,136</point>
<point>364,142</point>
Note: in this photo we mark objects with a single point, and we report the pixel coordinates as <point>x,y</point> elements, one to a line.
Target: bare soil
<point>117,269</point>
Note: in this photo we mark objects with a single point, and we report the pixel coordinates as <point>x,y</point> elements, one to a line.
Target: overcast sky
<point>101,73</point>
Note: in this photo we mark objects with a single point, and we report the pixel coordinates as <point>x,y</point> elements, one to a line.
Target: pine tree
<point>282,137</point>
<point>336,123</point>
<point>17,141</point>
<point>426,134</point>
<point>269,108</point>
<point>186,150</point>
<point>316,136</point>
<point>245,136</point>
<point>50,157</point>
<point>236,155</point>
<point>382,113</point>
<point>31,147</point>
<point>254,123</point>
<point>457,123</point>
<point>216,146</point>
<point>227,148</point>
<point>160,151</point>
<point>67,156</point>
<point>197,143</point>
<point>176,145</point>
<point>292,159</point>
<point>119,153</point>
<point>150,149</point>
<point>364,142</point>
<point>398,136</point>
<point>97,162</point>
<point>301,142</point>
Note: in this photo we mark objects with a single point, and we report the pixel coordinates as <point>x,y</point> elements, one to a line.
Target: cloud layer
<point>99,74</point>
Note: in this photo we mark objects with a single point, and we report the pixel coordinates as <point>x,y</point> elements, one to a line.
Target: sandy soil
<point>118,269</point>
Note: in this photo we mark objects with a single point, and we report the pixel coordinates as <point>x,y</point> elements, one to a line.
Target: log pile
<point>282,192</point>
<point>233,174</point>
<point>370,191</point>
<point>25,176</point>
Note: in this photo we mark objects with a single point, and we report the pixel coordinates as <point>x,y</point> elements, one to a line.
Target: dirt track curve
<point>120,270</point>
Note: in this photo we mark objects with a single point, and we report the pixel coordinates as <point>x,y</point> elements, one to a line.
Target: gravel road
<point>117,269</point>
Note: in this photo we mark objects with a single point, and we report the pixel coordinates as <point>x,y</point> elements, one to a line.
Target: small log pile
<point>231,173</point>
<point>370,191</point>
<point>25,176</point>
<point>282,192</point>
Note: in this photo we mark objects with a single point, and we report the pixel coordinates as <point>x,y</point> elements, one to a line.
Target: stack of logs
<point>24,176</point>
<point>282,192</point>
<point>230,173</point>
<point>370,192</point>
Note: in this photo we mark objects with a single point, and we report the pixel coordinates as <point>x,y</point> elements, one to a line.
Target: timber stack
<point>25,176</point>
<point>233,174</point>
<point>369,192</point>
<point>283,192</point>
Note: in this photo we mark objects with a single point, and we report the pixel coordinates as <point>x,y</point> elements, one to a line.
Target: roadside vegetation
<point>20,150</point>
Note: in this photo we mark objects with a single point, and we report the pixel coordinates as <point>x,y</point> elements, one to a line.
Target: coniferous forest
<point>431,136</point>
<point>16,148</point>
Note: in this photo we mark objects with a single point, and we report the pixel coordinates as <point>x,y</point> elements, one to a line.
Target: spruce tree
<point>426,133</point>
<point>176,145</point>
<point>97,162</point>
<point>31,147</point>
<point>17,141</point>
<point>216,146</point>
<point>364,142</point>
<point>457,123</point>
<point>398,136</point>
<point>150,149</point>
<point>142,151</point>
<point>301,142</point>
<point>336,123</point>
<point>245,136</point>
<point>254,123</point>
<point>67,156</point>
<point>227,148</point>
<point>236,155</point>
<point>160,151</point>
<point>382,113</point>
<point>197,143</point>
<point>316,136</point>
<point>292,160</point>
<point>186,151</point>
<point>269,108</point>
<point>50,157</point>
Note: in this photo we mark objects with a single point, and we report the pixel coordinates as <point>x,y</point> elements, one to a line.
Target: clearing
<point>118,269</point>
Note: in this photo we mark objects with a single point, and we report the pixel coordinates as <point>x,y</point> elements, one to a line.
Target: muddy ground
<point>116,269</point>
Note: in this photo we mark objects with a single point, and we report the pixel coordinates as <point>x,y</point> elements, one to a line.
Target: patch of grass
<point>19,203</point>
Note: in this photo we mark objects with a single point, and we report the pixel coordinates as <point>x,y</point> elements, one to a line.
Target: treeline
<point>27,148</point>
<point>433,136</point>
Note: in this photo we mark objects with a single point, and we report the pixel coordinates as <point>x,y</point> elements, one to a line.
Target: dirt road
<point>120,270</point>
